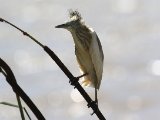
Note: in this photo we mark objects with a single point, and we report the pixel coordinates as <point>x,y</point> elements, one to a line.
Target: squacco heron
<point>88,50</point>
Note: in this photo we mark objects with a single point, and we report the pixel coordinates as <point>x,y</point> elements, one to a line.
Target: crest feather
<point>74,15</point>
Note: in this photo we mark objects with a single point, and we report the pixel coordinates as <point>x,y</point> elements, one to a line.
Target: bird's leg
<point>96,98</point>
<point>82,76</point>
<point>94,102</point>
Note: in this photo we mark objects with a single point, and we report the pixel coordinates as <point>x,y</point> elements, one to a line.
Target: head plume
<point>74,15</point>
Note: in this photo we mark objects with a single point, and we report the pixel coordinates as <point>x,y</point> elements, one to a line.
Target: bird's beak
<point>61,26</point>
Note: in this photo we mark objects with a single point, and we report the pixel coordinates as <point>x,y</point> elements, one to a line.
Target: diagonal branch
<point>73,80</point>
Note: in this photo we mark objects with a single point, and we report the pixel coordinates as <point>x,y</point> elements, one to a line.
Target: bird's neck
<point>82,38</point>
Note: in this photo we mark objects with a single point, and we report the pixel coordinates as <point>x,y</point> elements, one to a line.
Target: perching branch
<point>18,90</point>
<point>73,80</point>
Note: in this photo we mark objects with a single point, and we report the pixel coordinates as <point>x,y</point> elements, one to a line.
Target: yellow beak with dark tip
<point>62,26</point>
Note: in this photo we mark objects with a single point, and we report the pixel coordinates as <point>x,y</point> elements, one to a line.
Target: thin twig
<point>24,33</point>
<point>16,106</point>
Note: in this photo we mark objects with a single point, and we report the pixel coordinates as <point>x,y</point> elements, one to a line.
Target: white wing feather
<point>97,56</point>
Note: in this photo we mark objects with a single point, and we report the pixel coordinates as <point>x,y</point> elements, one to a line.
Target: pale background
<point>129,31</point>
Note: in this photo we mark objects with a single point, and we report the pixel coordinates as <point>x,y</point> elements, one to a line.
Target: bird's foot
<point>93,102</point>
<point>95,108</point>
<point>76,79</point>
<point>93,112</point>
<point>73,81</point>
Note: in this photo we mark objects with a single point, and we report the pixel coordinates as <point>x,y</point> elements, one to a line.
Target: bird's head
<point>75,21</point>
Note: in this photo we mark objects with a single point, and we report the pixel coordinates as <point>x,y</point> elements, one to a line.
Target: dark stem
<point>18,90</point>
<point>17,97</point>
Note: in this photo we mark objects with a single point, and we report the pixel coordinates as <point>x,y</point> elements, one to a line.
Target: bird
<point>88,50</point>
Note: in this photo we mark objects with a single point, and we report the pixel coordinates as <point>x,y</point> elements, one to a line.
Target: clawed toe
<point>95,108</point>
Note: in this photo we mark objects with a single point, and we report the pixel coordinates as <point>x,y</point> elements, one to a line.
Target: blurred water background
<point>129,33</point>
